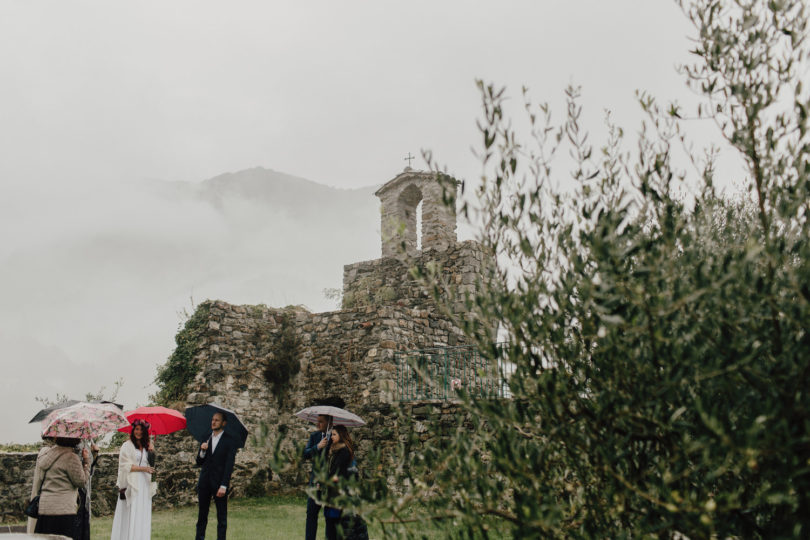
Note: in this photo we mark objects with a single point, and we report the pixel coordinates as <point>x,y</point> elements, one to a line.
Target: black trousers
<point>206,494</point>
<point>64,525</point>
<point>332,528</point>
<point>313,510</point>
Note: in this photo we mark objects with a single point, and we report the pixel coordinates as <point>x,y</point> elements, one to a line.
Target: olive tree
<point>659,335</point>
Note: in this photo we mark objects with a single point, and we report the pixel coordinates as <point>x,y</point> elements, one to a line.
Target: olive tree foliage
<point>660,341</point>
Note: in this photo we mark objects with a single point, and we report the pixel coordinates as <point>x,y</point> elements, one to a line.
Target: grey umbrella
<point>340,417</point>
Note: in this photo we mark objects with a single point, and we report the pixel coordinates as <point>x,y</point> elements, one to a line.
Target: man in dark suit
<point>317,449</point>
<point>216,458</point>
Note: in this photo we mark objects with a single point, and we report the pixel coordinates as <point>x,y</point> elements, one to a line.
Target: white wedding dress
<point>133,516</point>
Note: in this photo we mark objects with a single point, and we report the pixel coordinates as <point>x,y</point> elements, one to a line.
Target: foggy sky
<point>101,98</point>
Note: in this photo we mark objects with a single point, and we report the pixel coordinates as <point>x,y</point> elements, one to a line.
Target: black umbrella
<point>40,416</point>
<point>63,404</point>
<point>198,422</point>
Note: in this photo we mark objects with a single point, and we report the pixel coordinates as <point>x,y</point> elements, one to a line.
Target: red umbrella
<point>161,420</point>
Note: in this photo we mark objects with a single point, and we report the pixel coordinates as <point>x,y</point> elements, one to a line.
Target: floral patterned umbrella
<point>84,421</point>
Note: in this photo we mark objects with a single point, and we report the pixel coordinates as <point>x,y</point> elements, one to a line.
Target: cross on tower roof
<point>409,158</point>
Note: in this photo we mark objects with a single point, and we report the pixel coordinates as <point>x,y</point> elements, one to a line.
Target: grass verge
<point>267,518</point>
<point>248,519</point>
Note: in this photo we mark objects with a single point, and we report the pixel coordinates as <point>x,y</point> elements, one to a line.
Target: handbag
<point>331,513</point>
<point>354,527</point>
<point>32,508</point>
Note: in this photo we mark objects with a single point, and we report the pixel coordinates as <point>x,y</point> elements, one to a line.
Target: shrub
<point>659,342</point>
<point>285,364</point>
<point>173,378</point>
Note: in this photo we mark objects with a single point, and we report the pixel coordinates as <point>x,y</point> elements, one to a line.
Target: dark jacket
<point>312,452</point>
<point>339,463</point>
<point>342,464</point>
<point>217,466</point>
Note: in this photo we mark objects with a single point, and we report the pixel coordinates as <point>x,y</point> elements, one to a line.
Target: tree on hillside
<point>660,341</point>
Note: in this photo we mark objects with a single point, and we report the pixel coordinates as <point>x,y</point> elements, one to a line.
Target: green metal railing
<point>441,372</point>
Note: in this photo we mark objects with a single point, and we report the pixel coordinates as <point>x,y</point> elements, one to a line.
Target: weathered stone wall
<point>17,473</point>
<point>388,280</point>
<point>348,353</point>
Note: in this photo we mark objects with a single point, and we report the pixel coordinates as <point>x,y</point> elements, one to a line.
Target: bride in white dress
<point>133,511</point>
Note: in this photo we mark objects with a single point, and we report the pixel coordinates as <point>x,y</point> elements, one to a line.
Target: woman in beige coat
<point>60,473</point>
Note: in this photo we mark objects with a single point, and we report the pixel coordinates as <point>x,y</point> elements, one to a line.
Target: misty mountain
<point>282,194</point>
<point>296,197</point>
<point>275,224</point>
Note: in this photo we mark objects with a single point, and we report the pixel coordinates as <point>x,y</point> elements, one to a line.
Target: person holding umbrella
<point>216,457</point>
<point>316,450</point>
<point>324,413</point>
<point>58,483</point>
<point>58,475</point>
<point>133,510</point>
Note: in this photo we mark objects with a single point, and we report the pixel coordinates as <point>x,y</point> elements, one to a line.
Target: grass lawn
<point>248,519</point>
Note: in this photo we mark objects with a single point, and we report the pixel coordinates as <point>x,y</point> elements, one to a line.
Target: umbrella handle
<point>153,454</point>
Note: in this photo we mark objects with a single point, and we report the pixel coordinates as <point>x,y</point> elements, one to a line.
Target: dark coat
<point>353,526</point>
<point>339,463</point>
<point>312,452</point>
<point>217,466</point>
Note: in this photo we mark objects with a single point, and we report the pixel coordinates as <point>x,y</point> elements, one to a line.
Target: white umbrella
<point>340,417</point>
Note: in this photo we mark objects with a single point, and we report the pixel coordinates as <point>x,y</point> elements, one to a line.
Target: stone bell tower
<point>388,280</point>
<point>400,198</point>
